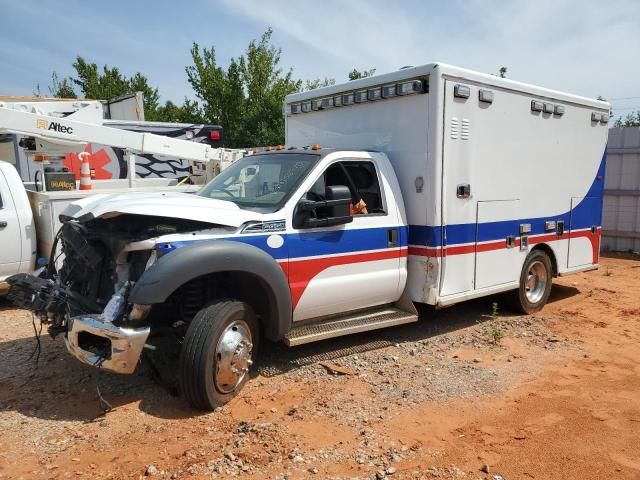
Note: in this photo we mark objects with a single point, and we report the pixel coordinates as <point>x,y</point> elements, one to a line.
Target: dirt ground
<point>551,396</point>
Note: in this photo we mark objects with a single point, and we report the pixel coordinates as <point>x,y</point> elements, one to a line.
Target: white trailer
<point>489,168</point>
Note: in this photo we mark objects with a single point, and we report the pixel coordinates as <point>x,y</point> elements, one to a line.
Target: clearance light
<point>559,110</point>
<point>596,117</point>
<point>485,96</point>
<point>360,96</point>
<point>347,99</point>
<point>322,104</point>
<point>389,91</point>
<point>409,88</point>
<point>604,118</point>
<point>374,94</point>
<point>547,108</point>
<point>461,91</point>
<point>315,146</point>
<point>536,106</point>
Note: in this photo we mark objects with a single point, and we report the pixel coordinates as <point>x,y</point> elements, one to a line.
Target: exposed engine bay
<point>83,291</point>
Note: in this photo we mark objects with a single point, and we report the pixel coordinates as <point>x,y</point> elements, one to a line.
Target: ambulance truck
<point>429,185</point>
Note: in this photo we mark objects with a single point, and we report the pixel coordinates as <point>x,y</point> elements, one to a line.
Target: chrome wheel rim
<point>233,356</point>
<point>536,282</point>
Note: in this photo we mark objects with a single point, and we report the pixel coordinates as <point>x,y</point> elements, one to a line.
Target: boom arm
<point>66,131</point>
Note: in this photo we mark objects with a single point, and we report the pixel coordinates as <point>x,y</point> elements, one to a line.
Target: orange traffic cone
<point>85,171</point>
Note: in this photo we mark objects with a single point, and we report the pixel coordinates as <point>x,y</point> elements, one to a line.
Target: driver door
<point>352,266</point>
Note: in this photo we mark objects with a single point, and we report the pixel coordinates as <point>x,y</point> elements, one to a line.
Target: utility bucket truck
<point>432,185</point>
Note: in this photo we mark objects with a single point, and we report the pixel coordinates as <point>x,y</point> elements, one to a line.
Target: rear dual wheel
<point>218,351</point>
<point>535,284</point>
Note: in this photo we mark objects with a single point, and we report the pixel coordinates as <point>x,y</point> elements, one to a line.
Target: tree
<point>247,97</point>
<point>61,88</point>
<point>105,84</point>
<point>631,120</point>
<point>319,83</point>
<point>356,74</point>
<point>502,73</point>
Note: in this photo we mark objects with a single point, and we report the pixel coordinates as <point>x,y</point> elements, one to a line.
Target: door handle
<point>392,237</point>
<point>3,224</point>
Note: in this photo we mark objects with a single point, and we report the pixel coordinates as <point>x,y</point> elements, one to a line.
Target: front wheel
<point>535,284</point>
<point>218,350</point>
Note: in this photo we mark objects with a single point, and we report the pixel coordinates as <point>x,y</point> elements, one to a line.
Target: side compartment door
<point>584,236</point>
<point>347,267</point>
<point>498,256</point>
<point>10,240</point>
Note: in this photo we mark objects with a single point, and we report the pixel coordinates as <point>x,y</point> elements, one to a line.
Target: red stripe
<point>500,244</point>
<point>301,272</point>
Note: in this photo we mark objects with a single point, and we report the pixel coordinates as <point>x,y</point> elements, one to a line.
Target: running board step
<point>354,323</point>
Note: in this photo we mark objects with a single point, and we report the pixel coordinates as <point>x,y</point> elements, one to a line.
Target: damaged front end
<point>86,299</point>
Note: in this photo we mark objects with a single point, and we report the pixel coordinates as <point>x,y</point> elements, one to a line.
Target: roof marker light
<point>536,105</point>
<point>374,94</point>
<point>485,96</point>
<point>347,99</point>
<point>559,110</point>
<point>295,108</point>
<point>461,91</point>
<point>315,146</point>
<point>305,107</point>
<point>604,118</point>
<point>547,108</point>
<point>388,91</point>
<point>596,117</point>
<point>409,88</point>
<point>337,101</point>
<point>360,96</point>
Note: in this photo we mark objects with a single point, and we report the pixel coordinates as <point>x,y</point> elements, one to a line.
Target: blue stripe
<point>309,244</point>
<point>585,215</point>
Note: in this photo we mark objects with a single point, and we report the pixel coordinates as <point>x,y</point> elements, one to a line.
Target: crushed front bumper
<point>94,340</point>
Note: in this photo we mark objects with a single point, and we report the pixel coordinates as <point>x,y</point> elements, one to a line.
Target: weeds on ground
<point>495,331</point>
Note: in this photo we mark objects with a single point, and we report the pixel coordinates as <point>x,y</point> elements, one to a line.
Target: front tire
<point>218,350</point>
<point>535,284</point>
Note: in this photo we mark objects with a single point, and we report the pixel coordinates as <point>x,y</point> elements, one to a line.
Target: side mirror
<point>332,211</point>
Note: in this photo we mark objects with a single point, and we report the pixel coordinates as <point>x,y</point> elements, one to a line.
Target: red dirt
<point>558,398</point>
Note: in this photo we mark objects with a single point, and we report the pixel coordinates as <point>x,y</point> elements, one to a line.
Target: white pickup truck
<point>433,185</point>
<point>17,228</point>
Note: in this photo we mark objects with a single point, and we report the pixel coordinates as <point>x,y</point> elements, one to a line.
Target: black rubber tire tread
<point>198,349</point>
<point>517,299</point>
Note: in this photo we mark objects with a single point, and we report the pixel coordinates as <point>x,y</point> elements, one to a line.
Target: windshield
<point>261,181</point>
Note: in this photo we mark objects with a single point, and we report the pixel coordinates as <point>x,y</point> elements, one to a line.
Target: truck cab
<point>17,232</point>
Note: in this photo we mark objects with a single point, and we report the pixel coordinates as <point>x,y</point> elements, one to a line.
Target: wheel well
<point>192,296</point>
<point>549,251</point>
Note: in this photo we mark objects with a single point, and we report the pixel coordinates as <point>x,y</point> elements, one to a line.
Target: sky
<point>583,47</point>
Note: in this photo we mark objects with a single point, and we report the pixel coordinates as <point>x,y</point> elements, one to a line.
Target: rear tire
<point>218,350</point>
<point>535,284</point>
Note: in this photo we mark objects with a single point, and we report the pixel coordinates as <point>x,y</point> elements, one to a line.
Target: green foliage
<point>356,74</point>
<point>247,97</point>
<point>631,120</point>
<point>319,83</point>
<point>60,88</point>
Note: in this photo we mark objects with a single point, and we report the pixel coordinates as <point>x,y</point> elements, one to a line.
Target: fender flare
<point>174,269</point>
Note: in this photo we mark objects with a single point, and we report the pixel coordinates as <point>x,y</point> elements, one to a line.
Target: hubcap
<point>536,282</point>
<point>233,356</point>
